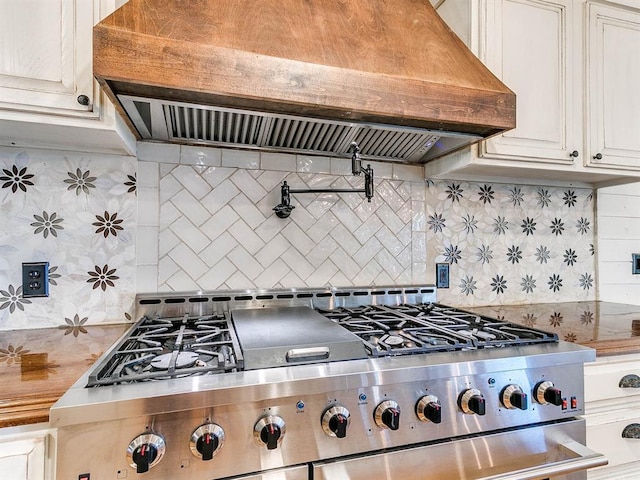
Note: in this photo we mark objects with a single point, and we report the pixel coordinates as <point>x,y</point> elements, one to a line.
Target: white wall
<point>618,217</point>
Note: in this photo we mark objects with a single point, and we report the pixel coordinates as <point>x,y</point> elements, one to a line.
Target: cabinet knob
<point>631,431</point>
<point>83,100</point>
<point>630,381</point>
<point>597,156</point>
<point>574,154</point>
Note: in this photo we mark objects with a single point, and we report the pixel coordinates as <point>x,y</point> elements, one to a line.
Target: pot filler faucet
<point>284,208</point>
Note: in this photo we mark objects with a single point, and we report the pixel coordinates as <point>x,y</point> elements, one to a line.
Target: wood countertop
<point>37,366</point>
<point>610,328</point>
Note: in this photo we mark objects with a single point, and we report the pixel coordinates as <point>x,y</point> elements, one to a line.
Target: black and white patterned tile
<point>512,244</point>
<point>78,212</point>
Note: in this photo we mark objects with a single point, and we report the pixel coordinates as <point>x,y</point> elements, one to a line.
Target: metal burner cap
<point>393,340</point>
<point>183,360</point>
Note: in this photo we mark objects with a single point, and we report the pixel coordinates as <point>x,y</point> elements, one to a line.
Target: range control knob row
<point>545,392</point>
<point>471,401</point>
<point>145,451</point>
<point>387,415</point>
<point>206,441</point>
<point>513,396</point>
<point>269,431</point>
<point>428,409</point>
<point>335,421</point>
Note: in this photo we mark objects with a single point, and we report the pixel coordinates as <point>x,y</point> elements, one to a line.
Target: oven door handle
<point>582,459</point>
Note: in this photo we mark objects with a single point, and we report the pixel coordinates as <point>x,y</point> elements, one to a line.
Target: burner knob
<point>206,440</point>
<point>145,451</point>
<point>335,421</point>
<point>387,415</point>
<point>269,431</point>
<point>513,397</point>
<point>546,393</point>
<point>428,409</point>
<point>471,401</point>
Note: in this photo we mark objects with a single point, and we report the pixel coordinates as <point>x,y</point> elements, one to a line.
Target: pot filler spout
<point>303,77</point>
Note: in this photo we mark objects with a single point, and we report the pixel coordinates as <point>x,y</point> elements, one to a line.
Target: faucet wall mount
<point>284,208</point>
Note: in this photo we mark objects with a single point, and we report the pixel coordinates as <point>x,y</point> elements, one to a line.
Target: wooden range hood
<point>299,75</point>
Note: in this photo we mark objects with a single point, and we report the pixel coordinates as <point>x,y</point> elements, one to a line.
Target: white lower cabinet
<point>27,453</point>
<point>612,412</point>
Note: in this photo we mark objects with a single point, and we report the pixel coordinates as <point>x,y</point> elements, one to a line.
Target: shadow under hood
<point>299,75</point>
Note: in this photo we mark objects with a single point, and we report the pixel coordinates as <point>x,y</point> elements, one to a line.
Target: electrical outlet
<point>635,260</point>
<point>35,279</point>
<point>442,275</point>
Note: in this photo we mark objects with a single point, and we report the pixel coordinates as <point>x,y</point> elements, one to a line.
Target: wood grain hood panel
<point>382,63</point>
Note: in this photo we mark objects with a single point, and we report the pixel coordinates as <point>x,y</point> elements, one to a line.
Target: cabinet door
<point>23,459</point>
<point>533,47</point>
<point>613,87</point>
<point>46,55</point>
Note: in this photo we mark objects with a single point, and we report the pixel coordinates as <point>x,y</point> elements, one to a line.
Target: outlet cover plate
<point>635,260</point>
<point>35,279</point>
<point>442,275</point>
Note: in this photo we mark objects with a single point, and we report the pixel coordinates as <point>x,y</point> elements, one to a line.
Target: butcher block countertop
<point>37,366</point>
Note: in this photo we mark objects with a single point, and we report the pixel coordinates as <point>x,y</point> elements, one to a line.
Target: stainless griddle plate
<point>274,337</point>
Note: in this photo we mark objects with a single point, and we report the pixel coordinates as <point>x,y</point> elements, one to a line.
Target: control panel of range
<point>393,415</point>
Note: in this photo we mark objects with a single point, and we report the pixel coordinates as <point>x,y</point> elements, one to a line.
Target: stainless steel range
<point>352,383</point>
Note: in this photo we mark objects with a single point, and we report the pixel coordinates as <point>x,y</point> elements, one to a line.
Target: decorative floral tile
<point>78,212</point>
<point>510,244</point>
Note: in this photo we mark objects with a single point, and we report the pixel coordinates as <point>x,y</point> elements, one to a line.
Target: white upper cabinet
<point>533,47</point>
<point>48,96</point>
<point>575,68</point>
<point>613,86</point>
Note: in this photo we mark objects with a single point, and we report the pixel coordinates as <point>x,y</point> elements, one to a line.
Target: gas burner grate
<point>423,328</point>
<point>171,348</point>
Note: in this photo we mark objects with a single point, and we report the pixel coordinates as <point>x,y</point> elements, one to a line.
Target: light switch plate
<point>35,279</point>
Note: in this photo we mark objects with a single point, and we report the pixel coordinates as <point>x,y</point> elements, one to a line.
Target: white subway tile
<point>188,260</point>
<point>190,207</point>
<point>148,207</point>
<point>313,164</point>
<point>192,181</point>
<point>240,158</point>
<point>146,278</point>
<point>278,161</point>
<point>412,173</point>
<point>218,249</point>
<point>148,175</point>
<point>158,152</point>
<point>189,234</point>
<point>147,245</point>
<point>200,156</point>
<point>246,236</point>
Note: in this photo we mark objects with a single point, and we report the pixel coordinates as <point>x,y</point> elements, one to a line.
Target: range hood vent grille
<point>216,126</point>
<point>190,123</point>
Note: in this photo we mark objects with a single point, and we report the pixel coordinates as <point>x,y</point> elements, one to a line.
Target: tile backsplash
<point>189,218</point>
<point>510,244</point>
<point>78,212</point>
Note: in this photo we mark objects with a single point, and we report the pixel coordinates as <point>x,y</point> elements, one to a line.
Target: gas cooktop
<point>246,336</point>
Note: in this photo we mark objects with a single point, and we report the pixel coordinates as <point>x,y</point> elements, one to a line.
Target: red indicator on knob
<point>335,421</point>
<point>206,440</point>
<point>471,401</point>
<point>428,409</point>
<point>145,451</point>
<point>269,431</point>
<point>387,415</point>
<point>545,392</point>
